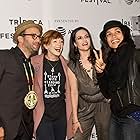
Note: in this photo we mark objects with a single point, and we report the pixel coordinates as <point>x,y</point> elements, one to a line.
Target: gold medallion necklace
<point>30,100</point>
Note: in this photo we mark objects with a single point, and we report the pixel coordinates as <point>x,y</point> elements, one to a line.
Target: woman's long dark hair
<point>74,54</point>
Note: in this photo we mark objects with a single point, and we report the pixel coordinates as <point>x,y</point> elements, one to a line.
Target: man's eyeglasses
<point>34,36</point>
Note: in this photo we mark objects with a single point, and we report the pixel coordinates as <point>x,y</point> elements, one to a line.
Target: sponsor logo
<point>62,30</point>
<point>66,21</point>
<point>7,35</point>
<point>62,24</point>
<point>93,135</point>
<point>129,2</point>
<point>135,23</point>
<point>15,23</point>
<point>126,22</point>
<point>96,2</point>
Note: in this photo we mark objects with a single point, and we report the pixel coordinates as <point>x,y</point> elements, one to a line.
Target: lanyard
<point>27,75</point>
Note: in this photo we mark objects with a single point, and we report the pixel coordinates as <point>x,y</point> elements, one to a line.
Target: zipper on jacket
<point>129,99</point>
<point>133,91</point>
<point>119,98</point>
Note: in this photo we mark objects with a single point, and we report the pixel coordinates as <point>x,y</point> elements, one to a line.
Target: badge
<point>30,100</point>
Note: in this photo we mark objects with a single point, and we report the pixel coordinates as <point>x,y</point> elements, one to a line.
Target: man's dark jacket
<point>13,89</point>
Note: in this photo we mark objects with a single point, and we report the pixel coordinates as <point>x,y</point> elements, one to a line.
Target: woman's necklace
<point>52,70</point>
<point>87,70</point>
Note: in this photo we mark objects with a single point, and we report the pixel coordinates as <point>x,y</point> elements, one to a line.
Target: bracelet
<point>75,122</point>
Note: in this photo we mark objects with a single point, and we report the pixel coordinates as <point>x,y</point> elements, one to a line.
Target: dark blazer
<point>13,89</point>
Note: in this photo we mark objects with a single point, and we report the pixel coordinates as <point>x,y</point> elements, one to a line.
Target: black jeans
<point>124,129</point>
<point>52,130</point>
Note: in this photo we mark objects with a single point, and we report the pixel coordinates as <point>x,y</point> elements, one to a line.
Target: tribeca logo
<point>97,2</point>
<point>129,2</point>
<point>61,30</point>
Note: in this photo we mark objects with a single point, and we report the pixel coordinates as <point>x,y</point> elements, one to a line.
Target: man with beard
<point>17,98</point>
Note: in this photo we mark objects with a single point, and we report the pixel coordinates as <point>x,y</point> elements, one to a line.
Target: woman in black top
<point>53,111</point>
<point>119,77</point>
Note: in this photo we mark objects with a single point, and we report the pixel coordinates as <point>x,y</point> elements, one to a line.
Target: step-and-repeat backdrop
<point>65,15</point>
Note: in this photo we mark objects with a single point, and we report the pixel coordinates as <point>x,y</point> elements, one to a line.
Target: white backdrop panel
<point>65,15</point>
